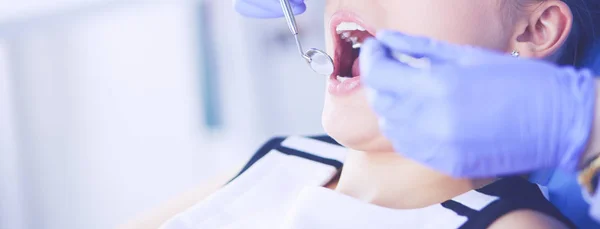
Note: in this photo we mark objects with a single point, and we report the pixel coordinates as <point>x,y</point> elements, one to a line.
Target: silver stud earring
<point>515,53</point>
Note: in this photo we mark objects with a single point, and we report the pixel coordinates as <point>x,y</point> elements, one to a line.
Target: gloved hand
<point>477,113</point>
<point>266,8</point>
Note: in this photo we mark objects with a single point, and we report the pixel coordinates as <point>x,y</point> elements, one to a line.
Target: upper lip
<point>336,19</point>
<point>348,16</point>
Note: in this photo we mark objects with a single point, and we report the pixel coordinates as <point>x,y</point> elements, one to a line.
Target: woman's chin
<point>366,138</point>
<point>351,122</point>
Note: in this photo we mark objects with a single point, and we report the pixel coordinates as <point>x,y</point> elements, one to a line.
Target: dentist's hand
<point>266,8</point>
<point>477,113</point>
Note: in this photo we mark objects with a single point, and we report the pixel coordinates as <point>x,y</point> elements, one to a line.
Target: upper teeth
<point>348,26</point>
<point>344,30</point>
<point>345,35</point>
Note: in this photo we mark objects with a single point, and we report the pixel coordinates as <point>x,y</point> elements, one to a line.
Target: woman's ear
<point>543,32</point>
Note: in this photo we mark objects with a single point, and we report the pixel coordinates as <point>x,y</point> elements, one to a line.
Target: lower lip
<point>347,87</point>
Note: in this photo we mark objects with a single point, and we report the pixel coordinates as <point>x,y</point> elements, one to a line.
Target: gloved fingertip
<point>299,7</point>
<point>370,42</point>
<point>369,48</point>
<point>369,51</point>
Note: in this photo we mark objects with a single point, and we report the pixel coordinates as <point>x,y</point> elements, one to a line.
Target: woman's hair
<point>582,48</point>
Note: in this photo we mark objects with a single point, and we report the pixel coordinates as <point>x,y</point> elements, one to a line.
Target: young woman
<point>357,180</point>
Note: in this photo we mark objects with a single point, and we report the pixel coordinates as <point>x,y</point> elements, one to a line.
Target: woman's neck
<point>389,180</point>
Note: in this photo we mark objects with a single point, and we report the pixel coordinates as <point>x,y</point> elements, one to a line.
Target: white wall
<point>109,110</point>
<point>11,189</point>
<point>17,10</point>
<point>106,110</point>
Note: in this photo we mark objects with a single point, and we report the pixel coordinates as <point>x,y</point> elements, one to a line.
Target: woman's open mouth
<point>348,33</point>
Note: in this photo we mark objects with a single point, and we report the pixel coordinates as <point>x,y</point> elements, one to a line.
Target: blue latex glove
<point>477,113</point>
<point>266,8</point>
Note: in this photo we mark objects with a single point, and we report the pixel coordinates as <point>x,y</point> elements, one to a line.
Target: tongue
<point>356,68</point>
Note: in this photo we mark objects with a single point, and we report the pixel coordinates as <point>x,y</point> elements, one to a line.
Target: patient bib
<point>282,187</point>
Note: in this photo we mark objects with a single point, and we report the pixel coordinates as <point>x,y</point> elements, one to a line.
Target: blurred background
<point>110,107</point>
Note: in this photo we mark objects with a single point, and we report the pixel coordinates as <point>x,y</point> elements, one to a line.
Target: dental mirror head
<point>319,61</point>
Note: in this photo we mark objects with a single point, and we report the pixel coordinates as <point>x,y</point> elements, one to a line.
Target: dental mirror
<point>318,60</point>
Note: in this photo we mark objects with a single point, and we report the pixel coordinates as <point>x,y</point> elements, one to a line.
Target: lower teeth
<point>342,78</point>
